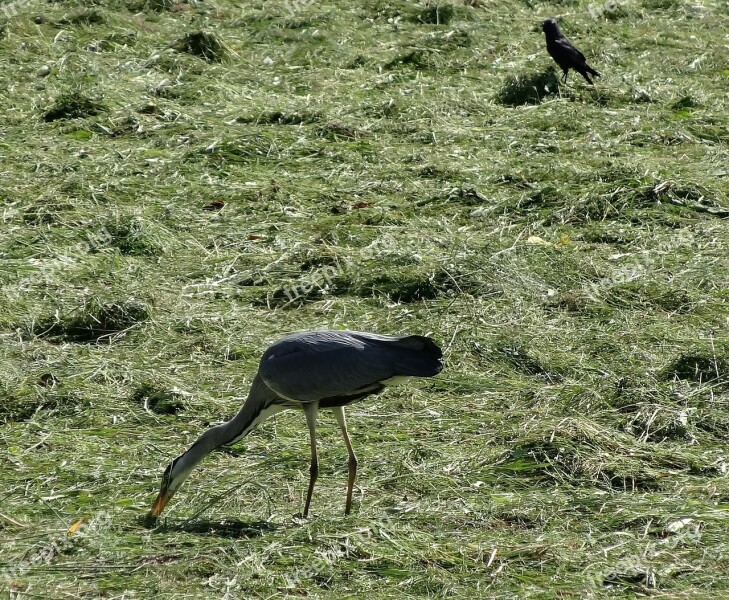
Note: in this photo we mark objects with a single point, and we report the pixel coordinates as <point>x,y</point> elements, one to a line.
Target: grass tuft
<point>154,5</point>
<point>440,13</point>
<point>278,117</point>
<point>407,284</point>
<point>95,321</point>
<point>419,59</point>
<point>161,401</point>
<point>86,16</point>
<point>336,130</point>
<point>529,88</point>
<point>640,294</point>
<point>73,104</point>
<point>203,44</point>
<point>521,360</point>
<point>135,236</point>
<point>700,367</point>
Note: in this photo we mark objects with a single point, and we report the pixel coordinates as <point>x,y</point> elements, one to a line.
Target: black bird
<point>564,53</point>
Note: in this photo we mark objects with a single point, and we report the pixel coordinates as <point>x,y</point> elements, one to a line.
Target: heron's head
<point>175,473</point>
<point>551,28</point>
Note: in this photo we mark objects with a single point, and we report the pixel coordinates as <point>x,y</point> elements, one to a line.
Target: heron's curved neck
<point>248,417</point>
<point>255,409</point>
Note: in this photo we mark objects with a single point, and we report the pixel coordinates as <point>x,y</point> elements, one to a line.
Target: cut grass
<point>172,169</point>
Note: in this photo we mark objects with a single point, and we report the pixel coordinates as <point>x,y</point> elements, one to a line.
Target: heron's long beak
<point>163,498</point>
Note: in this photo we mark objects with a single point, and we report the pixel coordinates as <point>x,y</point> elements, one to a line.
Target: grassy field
<point>182,184</point>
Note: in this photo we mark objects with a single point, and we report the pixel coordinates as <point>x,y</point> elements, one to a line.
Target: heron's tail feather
<point>417,356</point>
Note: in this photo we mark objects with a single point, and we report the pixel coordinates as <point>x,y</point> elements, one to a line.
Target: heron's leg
<point>339,415</point>
<point>310,410</point>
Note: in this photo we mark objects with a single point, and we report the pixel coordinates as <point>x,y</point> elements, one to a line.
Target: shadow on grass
<point>227,528</point>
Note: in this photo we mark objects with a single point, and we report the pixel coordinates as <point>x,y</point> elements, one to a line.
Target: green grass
<point>182,184</point>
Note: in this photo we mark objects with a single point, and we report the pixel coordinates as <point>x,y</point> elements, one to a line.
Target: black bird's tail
<point>586,71</point>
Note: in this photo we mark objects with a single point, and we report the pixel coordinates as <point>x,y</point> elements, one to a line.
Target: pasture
<point>181,184</point>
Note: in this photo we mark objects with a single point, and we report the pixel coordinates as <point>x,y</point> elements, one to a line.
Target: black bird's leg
<point>310,410</point>
<point>564,77</point>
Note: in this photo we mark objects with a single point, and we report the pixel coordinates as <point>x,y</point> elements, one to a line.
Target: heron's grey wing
<point>309,375</point>
<point>314,365</point>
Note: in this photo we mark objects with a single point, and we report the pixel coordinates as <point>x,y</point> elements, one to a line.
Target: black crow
<point>564,53</point>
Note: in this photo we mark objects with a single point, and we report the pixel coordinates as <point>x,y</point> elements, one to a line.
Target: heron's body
<point>311,371</point>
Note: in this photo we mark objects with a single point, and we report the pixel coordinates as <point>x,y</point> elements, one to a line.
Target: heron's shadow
<point>227,528</point>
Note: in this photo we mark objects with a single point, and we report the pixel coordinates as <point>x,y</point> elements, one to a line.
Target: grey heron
<point>310,371</point>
